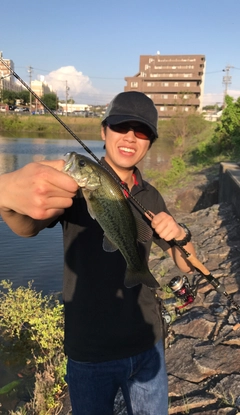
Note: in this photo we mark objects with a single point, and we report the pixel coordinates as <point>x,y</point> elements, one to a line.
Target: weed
<point>31,326</point>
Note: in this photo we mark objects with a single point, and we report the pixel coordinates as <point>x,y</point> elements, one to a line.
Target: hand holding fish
<point>39,190</point>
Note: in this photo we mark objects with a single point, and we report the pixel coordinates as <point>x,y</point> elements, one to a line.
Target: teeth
<point>128,150</point>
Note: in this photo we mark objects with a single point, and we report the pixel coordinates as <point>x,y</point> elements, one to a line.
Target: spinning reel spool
<point>182,289</point>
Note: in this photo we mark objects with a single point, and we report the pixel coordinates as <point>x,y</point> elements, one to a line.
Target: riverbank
<point>48,125</point>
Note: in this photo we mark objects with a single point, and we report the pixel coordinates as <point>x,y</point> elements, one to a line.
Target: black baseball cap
<point>132,106</point>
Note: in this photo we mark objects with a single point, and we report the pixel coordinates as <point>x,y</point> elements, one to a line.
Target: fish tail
<point>145,277</point>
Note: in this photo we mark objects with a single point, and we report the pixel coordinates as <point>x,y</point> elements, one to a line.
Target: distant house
<point>73,107</point>
<point>212,115</point>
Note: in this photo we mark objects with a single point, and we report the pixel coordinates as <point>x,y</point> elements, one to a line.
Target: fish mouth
<point>71,167</point>
<point>69,161</point>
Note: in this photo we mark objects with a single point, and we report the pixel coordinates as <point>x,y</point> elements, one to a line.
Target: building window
<point>175,83</point>
<point>134,84</point>
<point>164,96</point>
<point>187,84</point>
<point>164,84</point>
<point>150,83</point>
<point>161,108</point>
<point>186,109</point>
<point>174,96</point>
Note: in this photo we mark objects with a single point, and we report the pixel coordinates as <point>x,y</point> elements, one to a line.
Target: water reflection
<point>16,152</point>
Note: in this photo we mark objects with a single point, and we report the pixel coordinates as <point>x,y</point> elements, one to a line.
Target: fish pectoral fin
<point>108,246</point>
<point>134,278</point>
<point>90,209</point>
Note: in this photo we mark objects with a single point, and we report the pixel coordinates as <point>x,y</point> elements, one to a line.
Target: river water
<point>40,259</point>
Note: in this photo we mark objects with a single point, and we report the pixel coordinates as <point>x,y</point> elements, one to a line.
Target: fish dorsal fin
<point>144,231</point>
<point>108,246</point>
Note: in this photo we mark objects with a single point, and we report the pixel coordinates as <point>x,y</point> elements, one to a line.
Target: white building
<point>73,107</point>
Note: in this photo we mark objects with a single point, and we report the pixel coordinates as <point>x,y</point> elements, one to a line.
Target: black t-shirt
<point>104,320</point>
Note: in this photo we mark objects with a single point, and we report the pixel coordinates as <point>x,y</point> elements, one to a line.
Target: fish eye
<point>82,163</point>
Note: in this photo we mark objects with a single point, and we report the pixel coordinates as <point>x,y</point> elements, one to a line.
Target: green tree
<point>24,96</point>
<point>227,133</point>
<point>184,125</point>
<point>9,97</point>
<point>51,100</point>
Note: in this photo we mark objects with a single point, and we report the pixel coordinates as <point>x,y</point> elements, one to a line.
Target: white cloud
<point>80,86</point>
<point>217,98</point>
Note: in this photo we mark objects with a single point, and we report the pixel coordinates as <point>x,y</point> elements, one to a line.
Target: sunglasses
<point>140,131</point>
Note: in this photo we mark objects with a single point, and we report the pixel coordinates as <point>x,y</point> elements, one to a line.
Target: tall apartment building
<point>41,87</point>
<point>173,82</point>
<point>7,81</point>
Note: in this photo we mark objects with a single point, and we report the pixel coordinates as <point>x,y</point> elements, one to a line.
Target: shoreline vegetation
<point>33,325</point>
<point>47,124</point>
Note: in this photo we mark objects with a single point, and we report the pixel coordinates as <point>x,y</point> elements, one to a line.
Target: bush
<point>171,176</point>
<point>31,326</point>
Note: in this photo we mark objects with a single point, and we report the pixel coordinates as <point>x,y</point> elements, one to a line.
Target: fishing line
<point>193,260</point>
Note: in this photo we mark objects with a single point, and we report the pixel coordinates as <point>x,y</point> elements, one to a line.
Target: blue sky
<point>93,45</point>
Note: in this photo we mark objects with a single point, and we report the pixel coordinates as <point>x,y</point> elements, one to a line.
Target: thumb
<point>149,215</point>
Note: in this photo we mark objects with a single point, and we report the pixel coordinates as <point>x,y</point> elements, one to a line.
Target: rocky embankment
<point>203,360</point>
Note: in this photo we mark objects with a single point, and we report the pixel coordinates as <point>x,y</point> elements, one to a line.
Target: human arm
<point>31,197</point>
<point>168,229</point>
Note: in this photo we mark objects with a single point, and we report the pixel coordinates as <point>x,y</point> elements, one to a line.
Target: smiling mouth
<point>127,150</point>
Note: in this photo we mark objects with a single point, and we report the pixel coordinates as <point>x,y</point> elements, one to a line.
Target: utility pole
<point>30,81</point>
<point>67,89</point>
<point>227,80</point>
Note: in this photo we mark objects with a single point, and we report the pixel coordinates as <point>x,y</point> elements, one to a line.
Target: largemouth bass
<point>107,204</point>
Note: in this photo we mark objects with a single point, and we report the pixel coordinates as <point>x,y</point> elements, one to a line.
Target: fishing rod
<point>199,267</point>
<point>86,148</point>
<point>192,259</point>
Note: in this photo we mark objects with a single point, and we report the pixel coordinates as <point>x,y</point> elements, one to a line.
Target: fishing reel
<point>182,289</point>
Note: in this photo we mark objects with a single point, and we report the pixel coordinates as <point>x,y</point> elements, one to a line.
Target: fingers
<point>165,226</point>
<point>56,177</point>
<point>38,190</point>
<point>56,164</point>
<point>149,215</point>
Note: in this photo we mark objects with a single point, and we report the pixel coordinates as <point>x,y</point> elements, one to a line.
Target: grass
<point>48,125</point>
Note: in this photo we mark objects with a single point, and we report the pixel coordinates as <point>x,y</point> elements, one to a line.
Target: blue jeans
<point>142,378</point>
